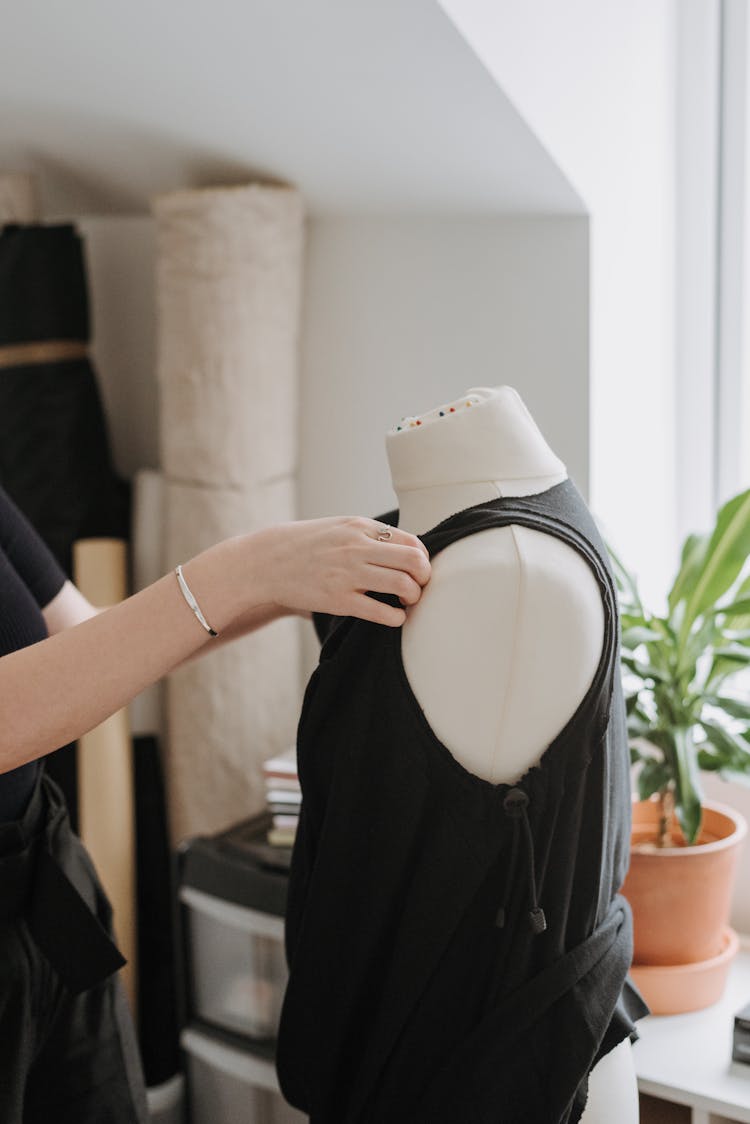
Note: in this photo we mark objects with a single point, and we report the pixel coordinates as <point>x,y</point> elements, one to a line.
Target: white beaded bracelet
<point>187,594</point>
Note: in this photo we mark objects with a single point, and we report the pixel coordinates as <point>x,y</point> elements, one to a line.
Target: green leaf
<point>688,794</point>
<point>738,635</point>
<point>652,777</point>
<point>735,708</point>
<point>737,651</point>
<point>645,670</point>
<point>722,560</point>
<point>733,748</point>
<point>738,608</point>
<point>693,551</point>
<point>709,761</point>
<point>632,620</point>
<point>726,661</point>
<point>633,637</point>
<point>697,642</point>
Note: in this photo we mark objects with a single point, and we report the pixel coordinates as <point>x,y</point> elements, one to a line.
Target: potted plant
<point>685,678</point>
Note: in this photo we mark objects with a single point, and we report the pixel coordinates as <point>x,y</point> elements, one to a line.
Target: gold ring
<point>383,536</point>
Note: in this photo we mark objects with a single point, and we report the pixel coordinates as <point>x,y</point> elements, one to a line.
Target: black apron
<point>48,879</point>
<point>458,950</point>
<point>69,1051</point>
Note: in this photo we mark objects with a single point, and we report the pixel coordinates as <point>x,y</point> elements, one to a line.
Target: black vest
<point>458,950</point>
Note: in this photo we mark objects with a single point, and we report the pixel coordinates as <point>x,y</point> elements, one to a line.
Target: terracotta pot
<point>672,989</point>
<point>680,895</point>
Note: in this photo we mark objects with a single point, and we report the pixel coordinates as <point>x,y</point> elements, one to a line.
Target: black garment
<point>457,950</point>
<point>55,459</point>
<point>29,578</point>
<point>69,1051</point>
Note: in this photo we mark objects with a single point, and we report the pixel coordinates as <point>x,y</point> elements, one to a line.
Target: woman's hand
<point>329,565</point>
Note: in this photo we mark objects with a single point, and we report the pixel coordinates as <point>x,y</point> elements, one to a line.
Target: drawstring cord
<point>515,804</point>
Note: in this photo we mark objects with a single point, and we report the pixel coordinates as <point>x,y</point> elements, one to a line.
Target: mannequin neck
<point>481,446</point>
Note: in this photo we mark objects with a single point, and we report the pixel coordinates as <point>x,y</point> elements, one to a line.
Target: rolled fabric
<point>147,527</point>
<point>229,276</point>
<point>55,459</point>
<point>196,517</point>
<point>228,283</point>
<point>231,709</point>
<point>106,812</point>
<point>19,198</point>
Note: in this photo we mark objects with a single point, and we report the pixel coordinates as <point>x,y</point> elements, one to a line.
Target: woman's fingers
<point>380,579</point>
<point>397,563</point>
<point>368,609</point>
<point>408,558</point>
<point>395,536</point>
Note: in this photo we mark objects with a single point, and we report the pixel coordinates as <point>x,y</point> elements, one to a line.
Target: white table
<point>687,1059</point>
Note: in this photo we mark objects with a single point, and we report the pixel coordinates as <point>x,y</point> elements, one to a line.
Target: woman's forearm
<point>59,688</point>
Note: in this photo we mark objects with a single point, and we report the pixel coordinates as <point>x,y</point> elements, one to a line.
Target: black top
<point>457,949</point>
<point>29,579</point>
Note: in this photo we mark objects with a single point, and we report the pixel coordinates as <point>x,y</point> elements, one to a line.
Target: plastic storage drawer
<point>228,1085</point>
<point>238,971</point>
<point>233,901</point>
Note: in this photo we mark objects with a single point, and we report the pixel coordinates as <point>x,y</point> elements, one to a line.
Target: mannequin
<point>505,610</point>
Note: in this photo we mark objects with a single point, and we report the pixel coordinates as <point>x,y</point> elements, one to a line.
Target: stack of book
<point>283,796</point>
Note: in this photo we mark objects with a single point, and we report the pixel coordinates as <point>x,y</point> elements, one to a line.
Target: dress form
<point>509,613</point>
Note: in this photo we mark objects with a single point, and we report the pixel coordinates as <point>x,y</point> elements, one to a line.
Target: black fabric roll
<point>157,974</point>
<point>54,455</point>
<point>43,284</point>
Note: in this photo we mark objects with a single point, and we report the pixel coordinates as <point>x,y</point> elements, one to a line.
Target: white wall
<point>595,79</point>
<point>402,313</point>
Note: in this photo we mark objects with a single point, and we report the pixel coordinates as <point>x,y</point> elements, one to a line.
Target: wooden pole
<point>106,798</point>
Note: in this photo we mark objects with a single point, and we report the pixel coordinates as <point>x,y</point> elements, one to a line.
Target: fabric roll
<point>106,811</point>
<point>158,1019</point>
<point>229,275</point>
<point>19,198</point>
<point>196,517</point>
<point>231,709</point>
<point>147,527</point>
<point>55,459</point>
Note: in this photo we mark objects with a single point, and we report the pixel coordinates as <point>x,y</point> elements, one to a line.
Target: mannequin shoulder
<point>495,570</point>
<point>510,616</point>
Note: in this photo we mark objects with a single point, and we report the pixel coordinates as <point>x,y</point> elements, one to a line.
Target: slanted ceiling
<point>366,105</point>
